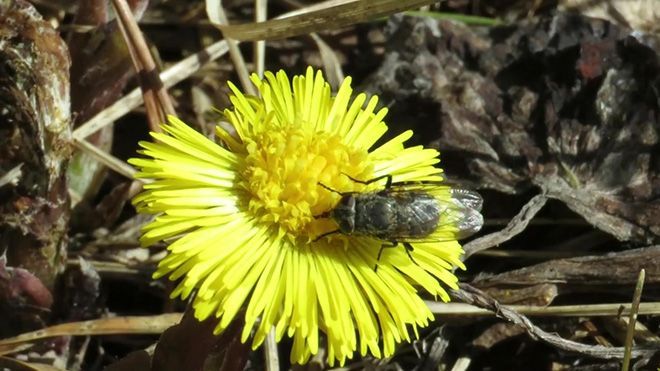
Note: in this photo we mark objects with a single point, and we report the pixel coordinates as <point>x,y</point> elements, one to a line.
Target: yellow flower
<point>243,220</point>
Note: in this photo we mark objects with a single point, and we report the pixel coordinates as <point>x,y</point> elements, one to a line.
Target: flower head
<point>244,220</point>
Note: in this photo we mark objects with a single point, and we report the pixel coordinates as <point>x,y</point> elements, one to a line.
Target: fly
<point>404,213</point>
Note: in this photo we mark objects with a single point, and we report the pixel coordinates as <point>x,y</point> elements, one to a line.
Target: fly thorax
<point>375,214</point>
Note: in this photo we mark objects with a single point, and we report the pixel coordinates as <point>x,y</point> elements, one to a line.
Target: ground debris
<point>611,274</point>
<point>566,104</point>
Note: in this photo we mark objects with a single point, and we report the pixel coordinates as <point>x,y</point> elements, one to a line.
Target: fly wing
<point>466,211</point>
<point>467,198</point>
<point>459,216</point>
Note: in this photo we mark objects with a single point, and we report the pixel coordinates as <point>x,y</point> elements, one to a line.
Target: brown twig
<point>473,296</point>
<point>515,226</point>
<point>156,100</point>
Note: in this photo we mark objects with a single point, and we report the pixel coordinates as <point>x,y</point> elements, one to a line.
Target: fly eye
<point>346,225</point>
<point>347,202</point>
<point>344,214</point>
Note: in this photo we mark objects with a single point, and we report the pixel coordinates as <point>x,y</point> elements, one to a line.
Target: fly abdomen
<point>418,214</point>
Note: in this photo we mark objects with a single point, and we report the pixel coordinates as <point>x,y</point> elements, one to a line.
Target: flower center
<point>282,173</point>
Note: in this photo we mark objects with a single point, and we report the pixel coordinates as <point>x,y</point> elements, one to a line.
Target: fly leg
<point>384,246</point>
<point>326,234</point>
<point>388,182</point>
<point>380,252</point>
<point>408,247</point>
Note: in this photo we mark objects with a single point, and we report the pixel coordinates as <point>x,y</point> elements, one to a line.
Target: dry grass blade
<point>467,19</point>
<point>216,14</point>
<point>16,365</point>
<point>589,310</point>
<point>437,348</point>
<point>633,319</point>
<point>320,20</point>
<point>105,326</point>
<point>331,64</point>
<point>113,269</point>
<point>302,8</point>
<point>462,363</point>
<point>105,158</point>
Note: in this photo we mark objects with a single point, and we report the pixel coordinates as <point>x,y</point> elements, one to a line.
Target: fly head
<point>344,214</point>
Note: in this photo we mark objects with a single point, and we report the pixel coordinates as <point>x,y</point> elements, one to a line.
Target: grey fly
<point>404,213</point>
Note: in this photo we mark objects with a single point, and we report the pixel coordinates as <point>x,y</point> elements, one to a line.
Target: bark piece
<point>610,272</point>
<point>34,132</point>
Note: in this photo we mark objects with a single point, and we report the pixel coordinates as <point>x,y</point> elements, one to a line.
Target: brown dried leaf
<point>587,273</point>
<point>191,345</point>
<point>24,299</point>
<point>497,333</point>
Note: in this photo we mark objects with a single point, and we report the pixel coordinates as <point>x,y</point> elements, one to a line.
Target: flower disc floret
<point>283,168</point>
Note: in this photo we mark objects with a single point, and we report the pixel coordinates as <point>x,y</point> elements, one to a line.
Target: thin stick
<point>471,295</point>
<point>515,226</point>
<point>216,14</point>
<point>633,319</point>
<point>260,14</point>
<point>270,352</point>
<point>154,115</point>
<point>143,54</point>
<point>105,158</point>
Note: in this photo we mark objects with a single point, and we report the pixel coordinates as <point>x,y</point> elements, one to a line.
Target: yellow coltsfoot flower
<point>244,220</point>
